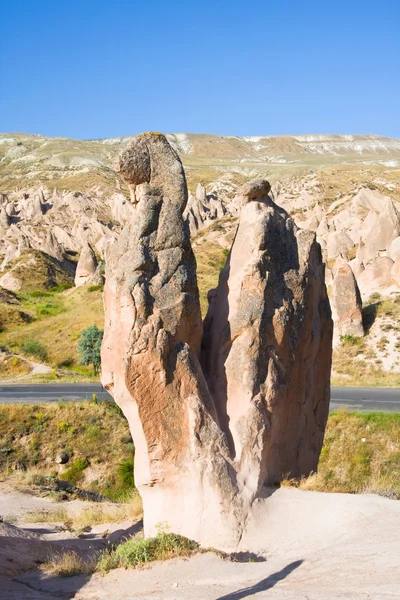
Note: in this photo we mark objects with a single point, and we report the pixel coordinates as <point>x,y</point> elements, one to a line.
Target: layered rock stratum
<point>215,416</point>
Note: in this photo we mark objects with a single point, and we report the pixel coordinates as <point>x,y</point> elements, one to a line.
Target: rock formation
<point>338,242</point>
<point>4,219</point>
<point>214,418</point>
<point>346,302</point>
<point>86,267</point>
<point>201,210</point>
<point>376,277</point>
<point>393,250</point>
<point>266,374</point>
<point>387,228</point>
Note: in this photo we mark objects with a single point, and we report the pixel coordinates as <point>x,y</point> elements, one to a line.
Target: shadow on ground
<point>20,580</point>
<point>263,585</point>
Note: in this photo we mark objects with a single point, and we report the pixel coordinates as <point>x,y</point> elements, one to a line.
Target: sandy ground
<point>315,547</point>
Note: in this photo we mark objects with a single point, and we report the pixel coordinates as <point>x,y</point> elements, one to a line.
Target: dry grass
<point>70,564</point>
<point>361,453</point>
<point>91,514</point>
<point>97,514</point>
<point>12,366</point>
<point>95,436</point>
<point>210,257</point>
<point>355,361</point>
<point>56,515</point>
<point>58,322</point>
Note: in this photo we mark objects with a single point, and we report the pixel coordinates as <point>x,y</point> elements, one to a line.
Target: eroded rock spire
<point>214,417</point>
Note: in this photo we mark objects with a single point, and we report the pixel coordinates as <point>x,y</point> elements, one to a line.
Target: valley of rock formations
<point>62,203</point>
<point>223,375</point>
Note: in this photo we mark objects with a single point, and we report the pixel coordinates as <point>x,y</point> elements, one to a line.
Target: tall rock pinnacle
<point>214,417</point>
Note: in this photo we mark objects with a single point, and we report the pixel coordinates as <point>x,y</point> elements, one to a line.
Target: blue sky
<point>98,68</point>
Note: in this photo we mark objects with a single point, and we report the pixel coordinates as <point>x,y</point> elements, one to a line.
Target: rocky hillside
<point>62,203</point>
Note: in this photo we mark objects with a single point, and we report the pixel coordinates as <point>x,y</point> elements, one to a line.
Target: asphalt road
<point>71,392</point>
<point>383,399</point>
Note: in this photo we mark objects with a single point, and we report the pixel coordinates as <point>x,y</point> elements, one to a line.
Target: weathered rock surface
<point>267,375</point>
<point>87,265</point>
<point>377,276</point>
<point>338,242</point>
<point>393,250</point>
<point>387,228</point>
<point>201,210</point>
<point>346,302</point>
<point>208,435</point>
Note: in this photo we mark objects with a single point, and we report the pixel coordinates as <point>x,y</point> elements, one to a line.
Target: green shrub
<point>125,473</point>
<point>89,347</point>
<point>61,288</point>
<point>67,362</point>
<point>95,288</point>
<point>139,551</point>
<point>75,473</point>
<point>34,348</point>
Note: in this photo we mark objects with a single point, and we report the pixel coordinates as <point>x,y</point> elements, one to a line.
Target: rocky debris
<point>209,435</point>
<point>8,297</point>
<point>62,458</point>
<point>87,265</point>
<point>346,302</point>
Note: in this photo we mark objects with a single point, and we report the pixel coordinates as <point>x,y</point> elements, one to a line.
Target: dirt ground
<point>313,546</point>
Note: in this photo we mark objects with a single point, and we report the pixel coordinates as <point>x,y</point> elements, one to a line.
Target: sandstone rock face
<point>395,271</point>
<point>86,267</point>
<point>201,210</point>
<point>357,267</point>
<point>393,250</point>
<point>346,302</point>
<point>387,228</point>
<point>4,218</point>
<point>266,371</point>
<point>214,417</point>
<point>376,277</point>
<point>338,242</point>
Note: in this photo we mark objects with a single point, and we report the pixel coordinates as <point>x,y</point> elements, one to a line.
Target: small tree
<point>89,347</point>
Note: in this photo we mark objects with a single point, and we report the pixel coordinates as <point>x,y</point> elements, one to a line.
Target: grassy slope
<point>95,435</point>
<point>57,321</point>
<point>56,318</point>
<point>361,450</point>
<point>356,362</point>
<point>361,453</point>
